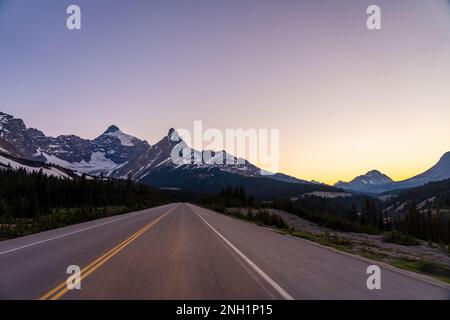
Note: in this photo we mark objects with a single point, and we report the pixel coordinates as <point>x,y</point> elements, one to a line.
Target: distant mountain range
<point>119,155</point>
<point>376,182</point>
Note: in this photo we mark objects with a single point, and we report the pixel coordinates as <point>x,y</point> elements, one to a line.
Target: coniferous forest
<point>33,202</point>
<point>359,213</point>
<point>369,217</point>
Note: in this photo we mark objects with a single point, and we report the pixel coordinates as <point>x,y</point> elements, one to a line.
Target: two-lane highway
<point>181,251</point>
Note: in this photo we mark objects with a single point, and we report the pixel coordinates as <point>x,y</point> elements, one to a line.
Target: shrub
<point>399,238</point>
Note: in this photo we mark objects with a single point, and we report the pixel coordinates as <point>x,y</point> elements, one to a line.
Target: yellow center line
<point>63,284</point>
<point>62,288</point>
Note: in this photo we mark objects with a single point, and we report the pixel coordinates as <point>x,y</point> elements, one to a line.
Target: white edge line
<point>65,234</point>
<point>275,285</point>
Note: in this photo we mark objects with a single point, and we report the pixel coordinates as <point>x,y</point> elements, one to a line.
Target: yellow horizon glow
<point>345,99</point>
<point>397,171</point>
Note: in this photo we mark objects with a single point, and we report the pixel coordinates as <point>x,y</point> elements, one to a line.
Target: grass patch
<point>304,235</point>
<point>438,271</point>
<point>372,254</point>
<point>60,217</point>
<point>399,238</point>
<point>325,239</point>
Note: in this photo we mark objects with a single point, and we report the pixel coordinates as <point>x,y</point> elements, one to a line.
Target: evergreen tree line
<point>35,197</point>
<point>236,196</point>
<point>431,225</point>
<point>267,218</point>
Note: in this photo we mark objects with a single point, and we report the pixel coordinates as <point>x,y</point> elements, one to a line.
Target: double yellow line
<point>62,288</point>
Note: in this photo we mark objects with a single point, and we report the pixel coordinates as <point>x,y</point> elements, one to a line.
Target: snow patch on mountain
<point>426,202</point>
<point>125,139</point>
<point>54,172</point>
<point>97,164</point>
<point>51,159</point>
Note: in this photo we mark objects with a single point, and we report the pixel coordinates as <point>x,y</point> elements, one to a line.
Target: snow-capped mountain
<point>372,181</point>
<point>100,156</point>
<point>376,182</point>
<point>167,155</point>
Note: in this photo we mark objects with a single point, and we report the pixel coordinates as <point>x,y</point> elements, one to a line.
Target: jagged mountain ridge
<point>119,155</point>
<point>99,156</point>
<point>160,155</point>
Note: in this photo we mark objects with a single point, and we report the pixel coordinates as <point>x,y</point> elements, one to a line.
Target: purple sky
<point>346,99</point>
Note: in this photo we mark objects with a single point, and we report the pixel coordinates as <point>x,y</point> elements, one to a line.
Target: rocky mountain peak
<point>111,129</point>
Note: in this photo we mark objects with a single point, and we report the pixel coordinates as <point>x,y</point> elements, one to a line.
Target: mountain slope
<point>7,148</point>
<point>98,157</point>
<point>432,195</point>
<point>440,171</point>
<point>285,178</point>
<point>10,162</point>
<point>372,181</point>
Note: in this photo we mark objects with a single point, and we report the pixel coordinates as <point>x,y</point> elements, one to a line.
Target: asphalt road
<point>181,251</point>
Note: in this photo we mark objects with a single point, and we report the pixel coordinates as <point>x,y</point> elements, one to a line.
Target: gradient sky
<point>346,99</point>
